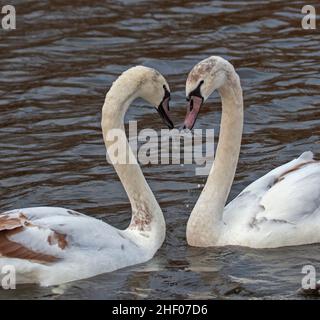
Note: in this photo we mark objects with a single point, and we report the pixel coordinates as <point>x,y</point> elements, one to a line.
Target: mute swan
<point>280,209</point>
<point>51,246</point>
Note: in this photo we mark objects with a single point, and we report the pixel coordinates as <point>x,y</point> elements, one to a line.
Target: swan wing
<point>284,200</point>
<point>54,245</point>
<point>48,234</point>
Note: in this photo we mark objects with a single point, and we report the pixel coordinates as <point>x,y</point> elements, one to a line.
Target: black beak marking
<point>165,117</point>
<point>196,92</point>
<point>161,110</point>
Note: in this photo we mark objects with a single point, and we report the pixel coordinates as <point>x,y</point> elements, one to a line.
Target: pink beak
<point>192,113</point>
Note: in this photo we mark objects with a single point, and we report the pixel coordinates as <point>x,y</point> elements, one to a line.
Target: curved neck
<point>147,218</point>
<point>205,221</point>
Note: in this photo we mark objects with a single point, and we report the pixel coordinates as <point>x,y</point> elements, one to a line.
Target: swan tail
<point>307,156</point>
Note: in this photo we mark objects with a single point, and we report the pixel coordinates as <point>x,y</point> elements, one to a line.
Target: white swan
<point>53,245</point>
<point>280,209</point>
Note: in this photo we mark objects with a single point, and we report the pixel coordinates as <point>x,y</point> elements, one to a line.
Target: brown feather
<point>11,249</point>
<point>297,167</point>
<point>10,226</point>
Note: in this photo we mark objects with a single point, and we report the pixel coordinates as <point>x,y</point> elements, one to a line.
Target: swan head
<point>138,82</point>
<point>153,88</point>
<point>207,76</point>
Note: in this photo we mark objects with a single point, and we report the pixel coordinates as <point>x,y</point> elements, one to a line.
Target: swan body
<point>50,246</point>
<point>280,209</point>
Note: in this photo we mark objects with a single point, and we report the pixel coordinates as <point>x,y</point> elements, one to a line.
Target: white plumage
<point>280,209</point>
<point>54,245</point>
<point>91,246</point>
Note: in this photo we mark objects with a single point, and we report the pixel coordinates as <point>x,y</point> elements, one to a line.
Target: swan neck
<point>147,218</point>
<point>205,222</point>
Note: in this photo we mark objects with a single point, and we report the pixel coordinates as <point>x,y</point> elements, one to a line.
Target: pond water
<point>55,70</point>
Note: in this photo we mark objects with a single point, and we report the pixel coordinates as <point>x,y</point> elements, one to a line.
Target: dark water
<point>55,70</point>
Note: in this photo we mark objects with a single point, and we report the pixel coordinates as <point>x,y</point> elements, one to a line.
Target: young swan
<point>280,209</point>
<point>55,245</point>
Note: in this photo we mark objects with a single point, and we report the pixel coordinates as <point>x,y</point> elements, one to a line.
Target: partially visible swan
<point>280,209</point>
<point>51,246</point>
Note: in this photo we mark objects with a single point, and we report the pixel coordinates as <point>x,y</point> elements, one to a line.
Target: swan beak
<point>194,106</point>
<point>163,110</point>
